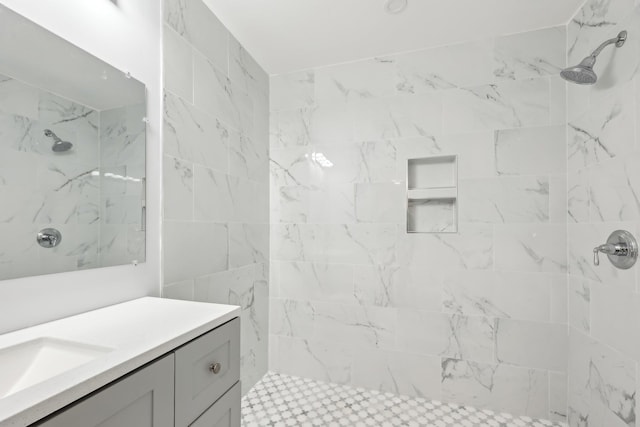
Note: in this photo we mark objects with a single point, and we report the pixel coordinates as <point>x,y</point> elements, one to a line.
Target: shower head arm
<point>618,41</point>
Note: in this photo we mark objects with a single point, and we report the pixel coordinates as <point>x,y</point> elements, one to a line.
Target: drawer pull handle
<point>215,368</point>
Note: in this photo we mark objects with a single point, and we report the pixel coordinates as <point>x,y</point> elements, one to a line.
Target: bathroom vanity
<point>151,361</point>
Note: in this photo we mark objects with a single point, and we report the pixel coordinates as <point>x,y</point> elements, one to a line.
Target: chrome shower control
<point>49,238</point>
<point>621,249</point>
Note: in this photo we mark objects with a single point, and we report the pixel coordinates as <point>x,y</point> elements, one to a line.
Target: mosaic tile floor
<point>281,400</point>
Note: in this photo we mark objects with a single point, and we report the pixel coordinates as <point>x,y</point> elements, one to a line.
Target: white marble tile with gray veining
<point>496,386</point>
<point>214,92</point>
<point>402,116</point>
<point>397,372</point>
<point>367,162</point>
<point>530,54</point>
<point>366,79</point>
<point>504,200</point>
<point>512,295</point>
<point>290,128</point>
<point>293,242</point>
<point>531,151</point>
<point>356,243</point>
<point>291,318</point>
<point>178,188</point>
<point>193,135</point>
<point>290,166</point>
<point>605,131</point>
<point>446,335</point>
<point>314,281</point>
<point>194,20</point>
<point>177,64</point>
<point>290,204</point>
<point>245,72</point>
<point>540,345</point>
<point>194,249</point>
<point>368,206</point>
<point>248,158</point>
<point>435,69</point>
<point>331,204</point>
<point>578,196</point>
<point>532,248</point>
<point>122,135</point>
<point>614,190</point>
<point>507,104</point>
<point>292,91</point>
<point>320,359</point>
<point>356,325</point>
<point>248,244</point>
<point>19,99</point>
<point>602,384</point>
<point>471,248</point>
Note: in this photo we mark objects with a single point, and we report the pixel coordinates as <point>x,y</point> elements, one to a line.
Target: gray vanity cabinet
<point>144,398</point>
<point>205,369</point>
<point>196,385</point>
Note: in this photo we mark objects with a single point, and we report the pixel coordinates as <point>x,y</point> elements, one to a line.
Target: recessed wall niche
<point>432,194</point>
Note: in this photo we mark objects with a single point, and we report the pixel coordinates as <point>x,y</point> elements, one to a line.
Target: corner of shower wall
<point>216,174</point>
<point>603,184</point>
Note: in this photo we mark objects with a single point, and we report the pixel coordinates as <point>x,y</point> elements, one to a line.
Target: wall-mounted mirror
<point>72,156</point>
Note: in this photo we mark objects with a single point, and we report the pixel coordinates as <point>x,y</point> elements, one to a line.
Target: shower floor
<point>282,400</point>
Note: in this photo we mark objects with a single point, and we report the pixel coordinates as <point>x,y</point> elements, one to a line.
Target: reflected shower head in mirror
<point>583,73</point>
<point>58,144</point>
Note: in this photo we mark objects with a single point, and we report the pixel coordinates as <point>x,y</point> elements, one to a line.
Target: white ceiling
<point>289,35</point>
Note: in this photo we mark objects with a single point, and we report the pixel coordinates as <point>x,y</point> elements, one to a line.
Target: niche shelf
<point>432,194</point>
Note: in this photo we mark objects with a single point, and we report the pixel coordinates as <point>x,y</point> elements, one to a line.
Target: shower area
<point>426,254</point>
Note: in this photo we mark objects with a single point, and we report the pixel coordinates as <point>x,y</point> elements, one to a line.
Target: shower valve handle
<point>621,249</point>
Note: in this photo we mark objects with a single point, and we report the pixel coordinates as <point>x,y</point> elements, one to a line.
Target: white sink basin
<point>32,362</point>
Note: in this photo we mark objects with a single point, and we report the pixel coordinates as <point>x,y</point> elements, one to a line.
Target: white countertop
<point>139,331</point>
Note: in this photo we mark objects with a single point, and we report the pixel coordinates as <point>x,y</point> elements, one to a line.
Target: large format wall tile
<point>510,295</point>
<point>500,387</point>
<point>195,22</point>
<point>602,194</point>
<point>601,384</point>
<point>503,105</point>
<point>371,78</point>
<point>216,229</point>
<point>439,69</point>
<point>531,151</point>
<point>531,54</point>
<point>177,64</point>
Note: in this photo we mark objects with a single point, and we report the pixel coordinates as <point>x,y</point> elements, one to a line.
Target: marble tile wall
<point>122,196</point>
<point>40,188</point>
<point>603,157</point>
<point>475,317</point>
<point>216,174</point>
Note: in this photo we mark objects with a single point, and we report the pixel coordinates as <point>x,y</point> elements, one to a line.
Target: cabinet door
<point>143,399</point>
<point>198,385</point>
<point>224,413</point>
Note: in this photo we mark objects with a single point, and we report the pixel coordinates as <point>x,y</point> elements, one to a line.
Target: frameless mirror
<point>72,156</point>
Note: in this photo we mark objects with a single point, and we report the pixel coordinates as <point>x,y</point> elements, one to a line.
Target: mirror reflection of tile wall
<point>92,193</point>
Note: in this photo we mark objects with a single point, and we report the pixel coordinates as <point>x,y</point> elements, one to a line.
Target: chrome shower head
<point>59,145</point>
<point>583,73</point>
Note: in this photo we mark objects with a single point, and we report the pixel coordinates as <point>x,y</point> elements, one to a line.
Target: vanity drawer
<point>205,369</point>
<point>224,413</point>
